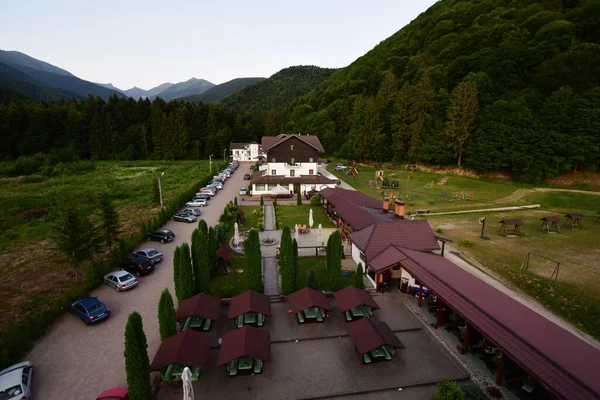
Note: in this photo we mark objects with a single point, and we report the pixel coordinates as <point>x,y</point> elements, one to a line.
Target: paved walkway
<point>269,217</point>
<point>271,276</point>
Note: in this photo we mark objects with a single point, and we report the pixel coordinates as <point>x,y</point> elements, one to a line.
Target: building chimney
<point>399,209</point>
<point>386,205</point>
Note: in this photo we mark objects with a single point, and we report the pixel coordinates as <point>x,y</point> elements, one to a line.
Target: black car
<point>184,217</point>
<point>138,266</point>
<point>161,235</point>
<point>247,177</point>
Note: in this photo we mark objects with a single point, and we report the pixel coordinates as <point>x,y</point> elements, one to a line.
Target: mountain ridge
<point>218,93</point>
<point>182,89</point>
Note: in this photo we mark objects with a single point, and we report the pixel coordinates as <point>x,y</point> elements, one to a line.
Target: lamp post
<point>482,222</point>
<point>210,163</point>
<point>224,150</point>
<point>160,189</point>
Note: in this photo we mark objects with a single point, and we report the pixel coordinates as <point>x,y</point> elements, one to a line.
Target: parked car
<point>138,266</point>
<point>120,280</point>
<point>120,393</point>
<point>196,203</point>
<point>227,173</point>
<point>191,210</point>
<point>153,254</point>
<point>90,310</point>
<point>338,181</point>
<point>161,235</point>
<point>184,217</point>
<point>204,195</point>
<point>213,186</point>
<point>15,381</point>
<point>209,190</point>
<point>340,167</point>
<point>246,177</point>
<point>217,184</point>
<point>243,191</point>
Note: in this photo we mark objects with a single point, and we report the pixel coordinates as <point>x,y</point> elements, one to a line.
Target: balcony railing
<point>290,165</point>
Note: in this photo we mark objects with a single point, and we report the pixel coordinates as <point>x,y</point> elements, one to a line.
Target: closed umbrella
<point>188,389</point>
<point>320,236</point>
<point>296,232</point>
<point>310,219</point>
<point>236,235</point>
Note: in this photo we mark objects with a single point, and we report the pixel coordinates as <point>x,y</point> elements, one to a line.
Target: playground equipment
<point>525,264</point>
<point>352,171</point>
<point>379,175</point>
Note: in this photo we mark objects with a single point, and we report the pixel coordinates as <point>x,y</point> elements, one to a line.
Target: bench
<point>232,367</point>
<point>239,321</point>
<point>206,325</point>
<point>260,319</point>
<point>257,366</point>
<point>366,359</point>
<point>300,317</point>
<point>348,316</point>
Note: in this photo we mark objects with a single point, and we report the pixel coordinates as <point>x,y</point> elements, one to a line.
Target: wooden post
<point>466,339</point>
<point>443,247</point>
<point>439,316</point>
<point>420,296</point>
<point>499,375</point>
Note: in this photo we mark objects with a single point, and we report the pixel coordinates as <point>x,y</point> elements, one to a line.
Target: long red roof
<point>566,364</point>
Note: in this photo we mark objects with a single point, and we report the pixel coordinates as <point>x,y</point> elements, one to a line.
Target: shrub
<point>312,281</point>
<point>259,225</point>
<point>315,200</point>
<point>358,278</point>
<point>298,199</point>
<point>226,291</point>
<point>262,201</point>
<point>448,390</point>
<point>439,230</point>
<point>466,242</point>
<point>275,202</point>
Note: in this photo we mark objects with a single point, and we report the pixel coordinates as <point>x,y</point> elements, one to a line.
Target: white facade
<point>290,171</point>
<point>246,152</point>
<point>359,257</point>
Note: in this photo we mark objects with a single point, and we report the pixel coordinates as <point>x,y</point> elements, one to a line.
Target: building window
<point>363,258</point>
<point>259,188</point>
<point>292,147</point>
<point>292,161</point>
<point>313,187</point>
<point>310,171</point>
<point>310,159</point>
<point>273,172</point>
<point>273,160</point>
<point>292,173</point>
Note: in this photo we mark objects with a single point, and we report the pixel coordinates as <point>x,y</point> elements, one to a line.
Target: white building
<point>291,166</point>
<point>246,151</point>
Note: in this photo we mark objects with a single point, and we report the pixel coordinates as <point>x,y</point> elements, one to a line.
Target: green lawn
<point>236,280</point>
<point>291,215</point>
<point>320,265</point>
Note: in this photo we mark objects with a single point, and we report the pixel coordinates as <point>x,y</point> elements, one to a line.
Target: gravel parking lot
<point>75,361</point>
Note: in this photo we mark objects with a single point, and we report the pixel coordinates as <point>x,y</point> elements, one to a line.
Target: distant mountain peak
<point>17,58</point>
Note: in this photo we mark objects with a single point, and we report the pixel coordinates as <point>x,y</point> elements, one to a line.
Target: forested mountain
<point>494,84</point>
<point>281,89</point>
<point>183,89</point>
<point>217,93</point>
<point>138,93</point>
<point>18,58</point>
<point>37,78</point>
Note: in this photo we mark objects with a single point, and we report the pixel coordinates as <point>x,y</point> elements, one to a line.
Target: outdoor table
<point>250,318</point>
<point>245,363</point>
<point>196,322</point>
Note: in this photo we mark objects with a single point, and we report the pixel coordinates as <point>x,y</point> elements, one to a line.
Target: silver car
<point>153,254</point>
<point>15,381</point>
<point>120,280</point>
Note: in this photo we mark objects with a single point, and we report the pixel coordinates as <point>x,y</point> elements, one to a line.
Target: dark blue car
<point>90,310</point>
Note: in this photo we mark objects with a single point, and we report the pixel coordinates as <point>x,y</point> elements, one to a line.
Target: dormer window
<point>273,159</point>
<point>310,160</point>
<point>293,161</point>
<point>292,147</point>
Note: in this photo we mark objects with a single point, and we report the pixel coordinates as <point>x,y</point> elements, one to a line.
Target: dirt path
<point>521,193</point>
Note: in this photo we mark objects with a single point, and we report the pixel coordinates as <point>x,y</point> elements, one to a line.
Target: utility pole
<point>224,150</point>
<point>210,163</point>
<point>160,189</point>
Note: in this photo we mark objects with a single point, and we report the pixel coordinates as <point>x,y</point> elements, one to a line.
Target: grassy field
<point>235,279</point>
<point>291,215</point>
<point>575,296</point>
<point>320,265</point>
<point>29,266</point>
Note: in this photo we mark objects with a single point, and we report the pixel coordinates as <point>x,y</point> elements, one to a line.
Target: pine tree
<point>137,364</point>
<point>212,250</point>
<point>262,202</point>
<point>235,203</point>
<point>156,191</point>
<point>334,261</point>
<point>74,235</point>
<point>201,264</point>
<point>358,279</point>
<point>253,261</point>
<point>203,226</point>
<point>186,273</point>
<point>294,264</point>
<point>177,274</point>
<point>298,199</point>
<point>461,117</point>
<point>286,262</point>
<point>109,221</point>
<point>167,321</point>
<point>419,112</point>
<point>284,248</point>
<point>400,122</point>
<point>312,281</point>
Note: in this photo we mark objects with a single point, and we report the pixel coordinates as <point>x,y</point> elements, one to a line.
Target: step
<point>275,298</point>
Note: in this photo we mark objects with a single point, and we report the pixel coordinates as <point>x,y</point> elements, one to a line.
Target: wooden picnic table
<point>311,313</point>
<point>358,312</point>
<point>251,318</point>
<point>245,365</point>
<point>197,323</point>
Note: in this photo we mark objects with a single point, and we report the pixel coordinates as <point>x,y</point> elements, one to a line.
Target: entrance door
<point>296,188</point>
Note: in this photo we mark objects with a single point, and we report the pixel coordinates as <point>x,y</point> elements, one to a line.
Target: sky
<point>145,43</point>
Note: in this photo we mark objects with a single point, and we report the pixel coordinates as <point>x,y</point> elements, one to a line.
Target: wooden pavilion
<point>198,312</point>
<point>374,340</point>
<point>245,350</point>
<point>355,303</point>
<point>249,308</point>
<point>185,349</point>
<point>309,305</point>
<point>223,259</point>
<point>515,223</point>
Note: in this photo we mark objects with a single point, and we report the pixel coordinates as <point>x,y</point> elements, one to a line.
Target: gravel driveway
<point>75,361</point>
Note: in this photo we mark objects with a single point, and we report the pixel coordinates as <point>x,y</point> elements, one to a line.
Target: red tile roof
<point>268,142</point>
<point>566,364</point>
<point>246,341</point>
<point>189,348</point>
<point>369,334</point>
<point>355,208</point>
<point>249,301</point>
<point>306,298</point>
<point>223,252</point>
<point>415,235</point>
<point>201,305</point>
<point>351,297</point>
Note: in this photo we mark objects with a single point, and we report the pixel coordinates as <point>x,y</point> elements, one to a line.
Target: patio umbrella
<point>320,236</point>
<point>280,190</point>
<point>236,235</point>
<point>188,389</point>
<point>310,219</point>
<point>296,232</point>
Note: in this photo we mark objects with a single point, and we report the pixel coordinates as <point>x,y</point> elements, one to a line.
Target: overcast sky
<point>145,43</point>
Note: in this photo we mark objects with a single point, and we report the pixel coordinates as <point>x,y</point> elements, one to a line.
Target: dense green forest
<point>531,105</point>
<point>218,93</point>
<point>120,129</point>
